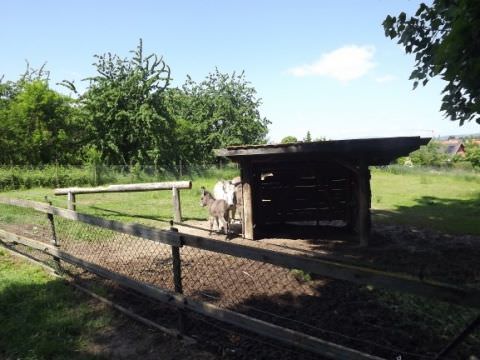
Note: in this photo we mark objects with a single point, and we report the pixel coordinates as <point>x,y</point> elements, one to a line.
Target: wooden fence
<point>467,297</point>
<point>175,186</point>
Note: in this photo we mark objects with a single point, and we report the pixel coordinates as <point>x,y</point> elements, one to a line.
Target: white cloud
<point>385,78</point>
<point>343,64</point>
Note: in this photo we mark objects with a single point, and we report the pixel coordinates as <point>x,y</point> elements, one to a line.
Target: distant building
<point>453,147</point>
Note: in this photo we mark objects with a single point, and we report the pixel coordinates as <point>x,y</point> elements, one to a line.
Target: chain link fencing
<point>360,317</point>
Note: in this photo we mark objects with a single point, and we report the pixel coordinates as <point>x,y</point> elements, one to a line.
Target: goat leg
<point>210,220</point>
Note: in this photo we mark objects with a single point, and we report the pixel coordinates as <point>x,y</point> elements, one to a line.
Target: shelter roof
<point>375,151</point>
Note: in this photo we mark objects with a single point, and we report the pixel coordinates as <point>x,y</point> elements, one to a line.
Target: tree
<point>429,155</point>
<point>124,105</point>
<point>289,139</point>
<point>445,38</point>
<point>472,153</point>
<point>308,137</point>
<point>37,124</point>
<point>220,111</point>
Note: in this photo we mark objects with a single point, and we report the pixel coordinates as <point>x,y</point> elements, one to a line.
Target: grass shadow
<point>127,216</point>
<point>456,216</point>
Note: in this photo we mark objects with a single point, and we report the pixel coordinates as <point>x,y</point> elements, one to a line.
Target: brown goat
<point>217,209</point>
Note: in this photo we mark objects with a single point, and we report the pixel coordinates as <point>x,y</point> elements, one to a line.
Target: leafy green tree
<point>124,105</point>
<point>37,125</point>
<point>445,40</point>
<point>289,139</point>
<point>431,154</point>
<point>472,153</point>
<point>220,111</point>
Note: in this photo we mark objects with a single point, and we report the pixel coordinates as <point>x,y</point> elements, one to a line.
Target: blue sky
<point>322,66</point>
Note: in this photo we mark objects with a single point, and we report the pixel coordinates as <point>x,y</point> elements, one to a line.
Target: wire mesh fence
<point>360,317</point>
<point>25,222</point>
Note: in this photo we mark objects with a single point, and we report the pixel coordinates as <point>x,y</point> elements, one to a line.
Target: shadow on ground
<point>109,212</point>
<point>453,216</point>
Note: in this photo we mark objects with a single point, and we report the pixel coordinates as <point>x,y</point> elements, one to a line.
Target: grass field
<point>447,202</point>
<point>41,317</point>
<point>444,201</point>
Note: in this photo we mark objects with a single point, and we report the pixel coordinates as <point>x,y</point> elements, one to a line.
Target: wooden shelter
<point>313,182</point>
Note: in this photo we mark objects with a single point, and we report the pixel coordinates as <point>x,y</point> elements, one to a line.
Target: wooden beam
<point>71,201</point>
<point>42,207</point>
<point>247,183</point>
<point>380,151</point>
<point>363,203</point>
<point>126,188</point>
<point>177,209</point>
<point>459,339</point>
<point>288,336</point>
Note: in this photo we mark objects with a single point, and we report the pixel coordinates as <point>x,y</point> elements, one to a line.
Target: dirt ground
<point>418,252</point>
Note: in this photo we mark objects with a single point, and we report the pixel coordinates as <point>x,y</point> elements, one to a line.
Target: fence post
<point>71,201</point>
<point>177,279</point>
<point>177,210</point>
<point>54,241</point>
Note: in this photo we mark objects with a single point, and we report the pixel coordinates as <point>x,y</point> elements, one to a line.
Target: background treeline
<point>435,155</point>
<point>129,115</point>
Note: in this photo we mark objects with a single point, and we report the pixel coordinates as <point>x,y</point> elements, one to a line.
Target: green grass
<point>43,318</point>
<point>445,201</point>
<point>152,208</point>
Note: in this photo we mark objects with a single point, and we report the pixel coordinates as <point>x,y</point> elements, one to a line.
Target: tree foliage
<point>472,153</point>
<point>221,110</point>
<point>37,125</point>
<point>429,155</point>
<point>128,115</point>
<point>289,139</point>
<point>125,109</point>
<point>308,137</point>
<point>445,38</point>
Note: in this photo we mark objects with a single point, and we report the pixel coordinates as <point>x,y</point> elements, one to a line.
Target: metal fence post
<point>54,241</point>
<point>177,279</point>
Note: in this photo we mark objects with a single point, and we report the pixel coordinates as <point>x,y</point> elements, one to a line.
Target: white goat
<point>228,191</point>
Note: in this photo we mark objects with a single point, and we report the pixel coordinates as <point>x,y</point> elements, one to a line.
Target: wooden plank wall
<point>303,192</point>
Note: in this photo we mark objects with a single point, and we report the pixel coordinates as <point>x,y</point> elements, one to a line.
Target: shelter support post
<point>247,183</point>
<point>363,202</point>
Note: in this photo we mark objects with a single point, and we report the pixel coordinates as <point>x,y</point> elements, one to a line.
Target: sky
<point>319,66</point>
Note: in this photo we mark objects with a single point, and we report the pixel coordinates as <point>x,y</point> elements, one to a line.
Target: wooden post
<point>71,201</point>
<point>459,339</point>
<point>54,241</point>
<point>247,178</point>
<point>177,279</point>
<point>177,209</point>
<point>363,203</point>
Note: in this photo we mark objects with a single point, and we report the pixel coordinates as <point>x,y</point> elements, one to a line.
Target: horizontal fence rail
<point>125,188</point>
